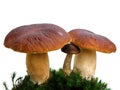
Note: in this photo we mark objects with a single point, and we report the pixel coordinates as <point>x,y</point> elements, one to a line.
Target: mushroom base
<point>85,63</point>
<point>38,67</point>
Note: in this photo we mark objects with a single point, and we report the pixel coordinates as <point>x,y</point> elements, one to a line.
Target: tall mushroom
<point>36,40</point>
<point>70,49</point>
<point>89,43</point>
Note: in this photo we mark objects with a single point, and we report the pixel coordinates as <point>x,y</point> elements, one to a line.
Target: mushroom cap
<point>70,49</point>
<point>39,38</point>
<point>89,40</point>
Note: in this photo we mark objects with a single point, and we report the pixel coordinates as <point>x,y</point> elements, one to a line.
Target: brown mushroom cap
<point>70,49</point>
<point>36,38</point>
<point>89,40</point>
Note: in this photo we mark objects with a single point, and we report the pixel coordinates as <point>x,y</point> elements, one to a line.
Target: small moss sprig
<point>59,81</point>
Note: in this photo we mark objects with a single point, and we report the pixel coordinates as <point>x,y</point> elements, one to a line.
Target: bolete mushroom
<point>89,43</point>
<point>70,49</point>
<point>36,40</point>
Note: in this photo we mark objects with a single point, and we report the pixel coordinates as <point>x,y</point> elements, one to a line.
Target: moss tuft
<point>59,81</point>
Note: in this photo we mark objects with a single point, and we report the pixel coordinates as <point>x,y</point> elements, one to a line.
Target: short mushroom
<point>36,40</point>
<point>89,43</point>
<point>70,49</point>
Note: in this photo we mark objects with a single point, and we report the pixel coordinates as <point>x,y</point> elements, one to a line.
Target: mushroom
<point>36,40</point>
<point>70,49</point>
<point>89,43</point>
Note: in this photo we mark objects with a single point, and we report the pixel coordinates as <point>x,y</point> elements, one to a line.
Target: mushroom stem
<point>67,64</point>
<point>85,63</point>
<point>38,67</point>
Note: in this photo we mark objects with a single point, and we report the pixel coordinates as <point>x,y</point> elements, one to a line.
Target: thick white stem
<point>67,64</point>
<point>85,63</point>
<point>38,67</point>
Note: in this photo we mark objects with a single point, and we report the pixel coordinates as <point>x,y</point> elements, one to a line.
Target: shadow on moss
<point>58,81</point>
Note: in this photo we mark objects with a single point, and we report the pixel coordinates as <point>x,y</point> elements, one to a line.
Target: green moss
<point>59,81</point>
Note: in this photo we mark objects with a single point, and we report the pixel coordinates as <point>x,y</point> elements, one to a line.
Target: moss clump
<point>59,81</point>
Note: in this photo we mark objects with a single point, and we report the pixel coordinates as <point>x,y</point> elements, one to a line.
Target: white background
<point>99,16</point>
